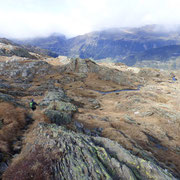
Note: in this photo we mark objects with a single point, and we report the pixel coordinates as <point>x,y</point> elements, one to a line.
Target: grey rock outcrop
<point>3,167</point>
<point>58,107</point>
<point>54,96</point>
<point>8,48</point>
<point>154,74</point>
<point>6,98</point>
<point>17,68</point>
<point>85,66</point>
<point>59,118</point>
<point>76,156</point>
<point>9,99</point>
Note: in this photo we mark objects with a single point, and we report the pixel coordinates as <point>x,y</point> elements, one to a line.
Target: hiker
<point>33,105</point>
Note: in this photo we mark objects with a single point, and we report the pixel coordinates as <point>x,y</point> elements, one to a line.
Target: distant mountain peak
<point>117,44</point>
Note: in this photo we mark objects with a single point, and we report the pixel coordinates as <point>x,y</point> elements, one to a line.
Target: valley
<point>146,46</point>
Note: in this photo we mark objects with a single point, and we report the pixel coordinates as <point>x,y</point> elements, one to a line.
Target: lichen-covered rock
<point>54,97</point>
<point>95,103</point>
<point>57,107</point>
<point>23,69</point>
<point>66,155</point>
<point>62,106</point>
<point>59,118</point>
<point>154,74</point>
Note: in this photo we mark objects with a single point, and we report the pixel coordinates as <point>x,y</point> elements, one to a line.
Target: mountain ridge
<point>117,44</point>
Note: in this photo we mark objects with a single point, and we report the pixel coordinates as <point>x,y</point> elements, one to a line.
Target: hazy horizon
<point>30,18</point>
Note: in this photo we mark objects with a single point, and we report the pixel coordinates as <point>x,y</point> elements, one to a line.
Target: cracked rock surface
<point>69,155</point>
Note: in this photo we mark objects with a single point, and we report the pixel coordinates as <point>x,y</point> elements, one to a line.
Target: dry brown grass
<point>4,146</point>
<point>38,117</point>
<point>161,99</point>
<point>110,133</point>
<point>93,82</point>
<point>13,121</point>
<point>91,123</point>
<point>35,165</point>
<point>85,93</point>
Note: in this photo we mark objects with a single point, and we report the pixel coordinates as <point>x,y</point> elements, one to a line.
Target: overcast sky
<point>30,18</point>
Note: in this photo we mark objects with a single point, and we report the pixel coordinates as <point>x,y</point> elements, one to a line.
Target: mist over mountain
<point>127,45</point>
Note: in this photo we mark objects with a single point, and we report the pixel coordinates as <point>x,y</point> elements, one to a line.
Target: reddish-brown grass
<point>33,165</point>
<point>13,119</point>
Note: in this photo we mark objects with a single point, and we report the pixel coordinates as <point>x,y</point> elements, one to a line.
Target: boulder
<point>95,103</point>
<point>3,167</point>
<point>57,107</point>
<point>59,118</point>
<point>54,96</point>
<point>62,106</point>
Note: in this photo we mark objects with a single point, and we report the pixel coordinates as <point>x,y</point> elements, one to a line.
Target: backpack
<point>31,104</point>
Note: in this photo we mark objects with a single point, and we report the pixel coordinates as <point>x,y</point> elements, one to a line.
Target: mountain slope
<point>115,44</point>
<point>54,43</point>
<point>9,48</point>
<point>12,48</point>
<point>162,54</point>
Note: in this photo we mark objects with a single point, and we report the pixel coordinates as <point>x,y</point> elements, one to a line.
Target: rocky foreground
<point>83,128</point>
<point>52,152</point>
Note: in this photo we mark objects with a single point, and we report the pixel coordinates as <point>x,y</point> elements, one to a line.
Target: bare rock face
<point>52,152</point>
<point>85,66</point>
<point>54,96</point>
<point>58,107</point>
<point>21,69</point>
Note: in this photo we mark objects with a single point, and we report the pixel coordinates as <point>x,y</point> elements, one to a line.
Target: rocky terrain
<point>93,121</point>
<point>8,48</point>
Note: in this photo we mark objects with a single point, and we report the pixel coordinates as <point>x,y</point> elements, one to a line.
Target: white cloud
<point>29,18</point>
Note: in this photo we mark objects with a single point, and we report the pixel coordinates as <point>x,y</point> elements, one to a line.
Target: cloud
<point>30,18</point>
